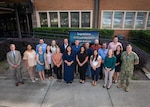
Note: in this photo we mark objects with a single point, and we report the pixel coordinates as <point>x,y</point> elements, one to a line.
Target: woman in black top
<point>117,53</point>
<point>82,59</point>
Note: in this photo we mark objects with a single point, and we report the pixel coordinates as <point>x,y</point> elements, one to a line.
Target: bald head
<point>96,41</point>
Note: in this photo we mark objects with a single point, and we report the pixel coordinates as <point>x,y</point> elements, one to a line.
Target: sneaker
<point>127,89</point>
<point>33,81</point>
<point>120,86</point>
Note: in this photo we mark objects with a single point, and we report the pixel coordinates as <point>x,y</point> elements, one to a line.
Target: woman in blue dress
<point>41,63</point>
<point>68,58</point>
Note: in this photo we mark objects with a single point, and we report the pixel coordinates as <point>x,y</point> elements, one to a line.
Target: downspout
<point>18,22</point>
<point>96,13</point>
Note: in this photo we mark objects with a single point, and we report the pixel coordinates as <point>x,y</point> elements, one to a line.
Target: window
<point>107,20</point>
<point>148,21</point>
<point>140,20</point>
<point>64,19</point>
<point>129,20</point>
<point>74,19</point>
<point>118,19</point>
<point>85,19</point>
<point>53,19</point>
<point>43,19</point>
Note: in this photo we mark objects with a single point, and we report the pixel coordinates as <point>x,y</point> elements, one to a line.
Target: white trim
<point>38,19</point>
<point>112,20</point>
<point>48,19</point>
<point>69,19</point>
<point>123,20</point>
<point>91,19</point>
<point>80,21</point>
<point>101,25</point>
<point>146,19</point>
<point>58,15</point>
<point>148,28</point>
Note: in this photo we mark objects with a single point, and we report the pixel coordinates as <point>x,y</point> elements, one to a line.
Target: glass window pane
<point>148,21</point>
<point>118,16</point>
<point>53,19</point>
<point>85,19</point>
<point>140,20</point>
<point>43,19</point>
<point>129,20</point>
<point>107,20</point>
<point>74,19</point>
<point>64,19</point>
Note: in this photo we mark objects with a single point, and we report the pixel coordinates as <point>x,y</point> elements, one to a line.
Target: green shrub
<point>104,33</point>
<point>140,34</point>
<point>51,31</point>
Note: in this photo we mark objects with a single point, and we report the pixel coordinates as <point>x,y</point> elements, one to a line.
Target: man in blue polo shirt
<point>42,44</point>
<point>102,52</point>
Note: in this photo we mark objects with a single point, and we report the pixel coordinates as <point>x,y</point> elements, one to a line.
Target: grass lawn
<point>3,67</point>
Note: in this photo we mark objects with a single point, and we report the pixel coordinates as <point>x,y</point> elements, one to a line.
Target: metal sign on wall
<point>83,36</point>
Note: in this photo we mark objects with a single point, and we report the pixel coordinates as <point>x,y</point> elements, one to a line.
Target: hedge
<point>140,34</point>
<point>50,31</point>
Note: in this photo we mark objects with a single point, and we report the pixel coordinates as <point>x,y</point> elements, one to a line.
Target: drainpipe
<point>18,22</point>
<point>96,13</point>
<point>28,25</point>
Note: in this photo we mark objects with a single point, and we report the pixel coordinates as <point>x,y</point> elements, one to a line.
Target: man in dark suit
<point>14,61</point>
<point>65,44</point>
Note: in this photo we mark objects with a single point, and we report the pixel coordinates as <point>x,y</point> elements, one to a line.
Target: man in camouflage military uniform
<point>129,59</point>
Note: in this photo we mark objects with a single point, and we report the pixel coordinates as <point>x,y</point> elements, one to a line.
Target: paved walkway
<point>59,94</point>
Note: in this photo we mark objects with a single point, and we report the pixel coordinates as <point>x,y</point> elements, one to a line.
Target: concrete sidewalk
<point>60,94</point>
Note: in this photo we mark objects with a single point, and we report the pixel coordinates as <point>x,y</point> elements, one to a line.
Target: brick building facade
<point>121,16</point>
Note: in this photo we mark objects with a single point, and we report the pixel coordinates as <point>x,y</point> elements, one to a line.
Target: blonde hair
<point>112,52</point>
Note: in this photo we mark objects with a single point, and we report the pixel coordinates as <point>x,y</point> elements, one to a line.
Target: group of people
<point>95,61</point>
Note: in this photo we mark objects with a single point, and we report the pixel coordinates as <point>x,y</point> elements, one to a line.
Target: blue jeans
<point>95,73</point>
<point>88,70</point>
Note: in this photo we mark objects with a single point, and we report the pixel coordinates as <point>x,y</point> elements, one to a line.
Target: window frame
<point>124,17</point>
<point>69,17</point>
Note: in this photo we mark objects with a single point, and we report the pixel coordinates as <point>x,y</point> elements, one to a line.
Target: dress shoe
<point>17,84</point>
<point>104,86</point>
<point>120,86</point>
<point>21,82</point>
<point>108,88</point>
<point>127,89</point>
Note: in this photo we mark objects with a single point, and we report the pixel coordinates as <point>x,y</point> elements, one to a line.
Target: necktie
<point>14,55</point>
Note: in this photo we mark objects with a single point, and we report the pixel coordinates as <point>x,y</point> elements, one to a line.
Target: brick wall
<point>125,4</point>
<point>122,32</point>
<point>64,4</point>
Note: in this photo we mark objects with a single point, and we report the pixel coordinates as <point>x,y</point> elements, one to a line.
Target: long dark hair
<point>46,49</point>
<point>67,47</point>
<point>94,55</point>
<point>84,49</point>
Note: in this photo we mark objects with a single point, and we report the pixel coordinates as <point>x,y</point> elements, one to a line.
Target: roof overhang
<point>13,1</point>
